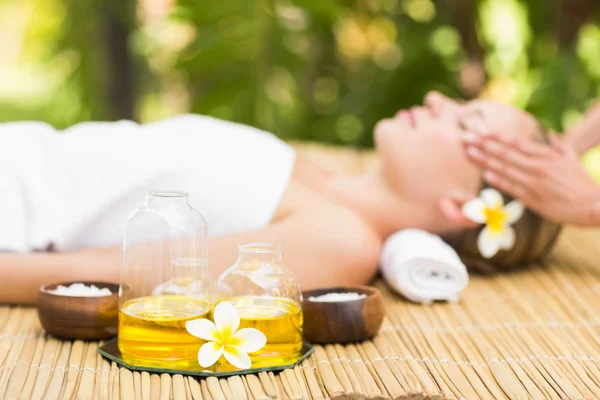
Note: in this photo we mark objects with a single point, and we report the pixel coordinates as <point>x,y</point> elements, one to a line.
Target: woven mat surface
<point>529,334</point>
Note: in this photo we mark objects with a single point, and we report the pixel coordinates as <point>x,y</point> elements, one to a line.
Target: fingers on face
<point>534,149</point>
<point>503,174</point>
<point>511,165</point>
<point>517,153</point>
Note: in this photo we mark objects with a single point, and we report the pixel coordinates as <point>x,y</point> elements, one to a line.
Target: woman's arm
<point>324,247</point>
<point>23,274</point>
<point>586,134</point>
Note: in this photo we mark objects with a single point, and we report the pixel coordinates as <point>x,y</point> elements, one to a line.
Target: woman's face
<point>421,151</point>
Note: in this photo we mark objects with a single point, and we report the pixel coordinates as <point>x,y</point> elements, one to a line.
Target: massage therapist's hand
<point>549,179</point>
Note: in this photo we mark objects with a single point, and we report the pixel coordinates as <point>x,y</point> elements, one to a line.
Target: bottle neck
<point>260,252</point>
<point>165,198</point>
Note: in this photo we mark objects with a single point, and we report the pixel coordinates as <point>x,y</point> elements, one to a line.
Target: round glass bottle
<point>164,282</point>
<point>268,297</point>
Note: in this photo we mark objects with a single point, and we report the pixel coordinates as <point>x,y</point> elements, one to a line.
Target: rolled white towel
<point>422,267</point>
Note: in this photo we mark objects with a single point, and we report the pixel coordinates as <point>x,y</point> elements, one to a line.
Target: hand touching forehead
<point>503,119</point>
<point>482,116</point>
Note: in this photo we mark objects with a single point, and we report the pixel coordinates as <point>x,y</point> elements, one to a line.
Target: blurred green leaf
<point>323,70</point>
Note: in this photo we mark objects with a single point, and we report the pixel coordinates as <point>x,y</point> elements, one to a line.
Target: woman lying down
<point>66,196</point>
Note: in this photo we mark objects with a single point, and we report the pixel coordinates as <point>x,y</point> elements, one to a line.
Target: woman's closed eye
<point>473,121</point>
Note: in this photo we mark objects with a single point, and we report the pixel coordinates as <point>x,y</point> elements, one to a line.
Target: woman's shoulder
<point>344,242</point>
<point>342,232</point>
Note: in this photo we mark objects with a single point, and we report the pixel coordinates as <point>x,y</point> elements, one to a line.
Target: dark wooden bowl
<point>78,317</point>
<point>344,321</point>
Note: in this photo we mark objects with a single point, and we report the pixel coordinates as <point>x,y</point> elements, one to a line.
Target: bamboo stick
<point>238,391</point>
<point>178,387</point>
<point>165,387</point>
<point>195,389</point>
<point>137,384</point>
<point>269,384</point>
<point>215,388</point>
<point>126,383</point>
<point>225,388</point>
<point>299,374</point>
<point>47,362</point>
<point>282,392</point>
<point>338,370</point>
<point>332,385</point>
<point>155,387</point>
<point>368,381</point>
<point>248,391</point>
<point>256,387</point>
<point>205,392</point>
<point>145,385</point>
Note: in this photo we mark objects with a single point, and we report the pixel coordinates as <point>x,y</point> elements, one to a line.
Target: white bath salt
<point>333,297</point>
<point>81,290</point>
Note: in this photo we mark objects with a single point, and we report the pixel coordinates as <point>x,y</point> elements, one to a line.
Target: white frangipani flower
<point>223,338</point>
<point>489,209</point>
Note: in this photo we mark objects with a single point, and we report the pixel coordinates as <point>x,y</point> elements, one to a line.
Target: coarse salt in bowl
<point>334,296</point>
<point>79,289</point>
<point>345,314</point>
<point>79,310</point>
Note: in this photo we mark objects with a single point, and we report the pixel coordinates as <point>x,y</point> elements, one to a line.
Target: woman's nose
<point>439,104</point>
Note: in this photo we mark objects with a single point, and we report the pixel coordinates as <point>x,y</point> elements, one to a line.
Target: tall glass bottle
<point>164,282</point>
<point>268,297</point>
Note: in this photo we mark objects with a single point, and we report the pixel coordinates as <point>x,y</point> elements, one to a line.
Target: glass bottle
<point>164,282</point>
<point>268,297</point>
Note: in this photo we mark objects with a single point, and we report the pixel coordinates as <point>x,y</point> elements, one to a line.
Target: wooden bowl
<point>342,321</point>
<point>79,317</point>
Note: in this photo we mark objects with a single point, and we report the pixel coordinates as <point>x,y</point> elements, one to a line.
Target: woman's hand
<point>549,179</point>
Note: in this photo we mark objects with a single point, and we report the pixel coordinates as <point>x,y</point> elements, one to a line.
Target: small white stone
<point>334,297</point>
<point>81,290</point>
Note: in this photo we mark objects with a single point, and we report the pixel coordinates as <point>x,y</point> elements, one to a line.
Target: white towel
<point>422,267</point>
<point>75,189</point>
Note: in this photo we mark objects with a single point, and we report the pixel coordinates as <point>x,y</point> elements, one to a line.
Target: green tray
<point>111,351</point>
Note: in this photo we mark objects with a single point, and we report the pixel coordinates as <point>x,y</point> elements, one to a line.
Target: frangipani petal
<point>508,239</point>
<point>224,340</point>
<point>514,211</point>
<point>492,198</point>
<point>209,353</point>
<point>203,329</point>
<point>226,319</point>
<point>474,210</point>
<point>488,243</point>
<point>237,357</point>
<point>248,340</point>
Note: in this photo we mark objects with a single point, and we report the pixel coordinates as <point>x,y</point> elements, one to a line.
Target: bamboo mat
<point>528,334</point>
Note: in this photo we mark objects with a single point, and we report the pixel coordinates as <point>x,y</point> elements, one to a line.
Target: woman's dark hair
<point>535,237</point>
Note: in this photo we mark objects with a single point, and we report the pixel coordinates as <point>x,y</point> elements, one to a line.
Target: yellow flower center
<point>495,218</point>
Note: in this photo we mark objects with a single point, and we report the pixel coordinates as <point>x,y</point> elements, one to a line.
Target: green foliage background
<point>323,70</point>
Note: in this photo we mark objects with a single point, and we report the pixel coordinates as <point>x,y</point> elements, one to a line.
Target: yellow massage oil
<point>152,331</point>
<point>280,320</point>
